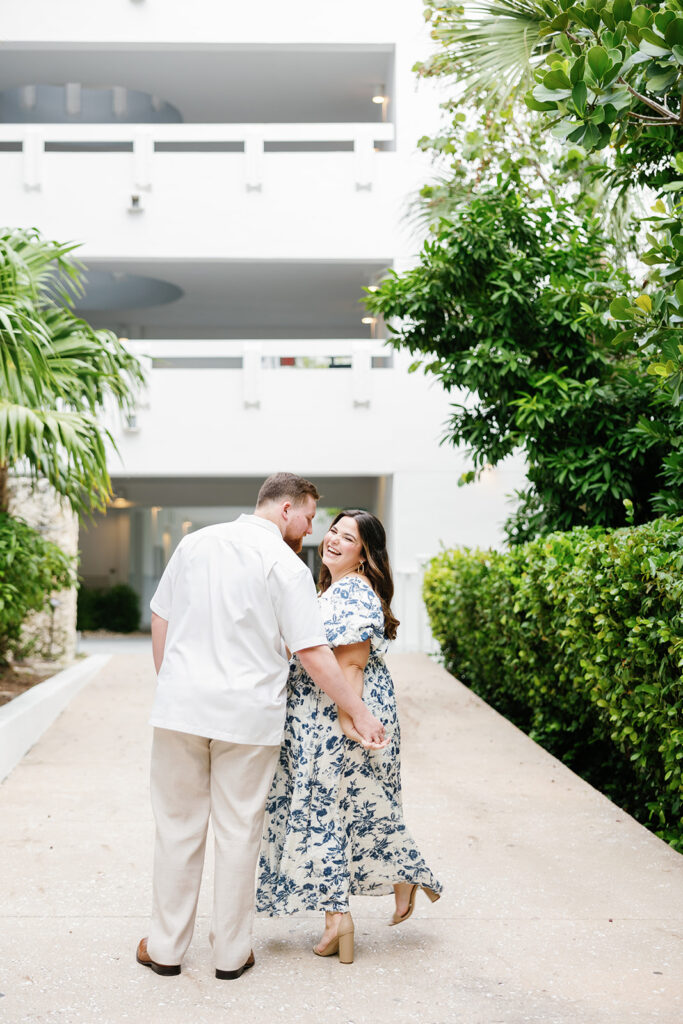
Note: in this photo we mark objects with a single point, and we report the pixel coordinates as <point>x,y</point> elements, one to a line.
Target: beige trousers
<point>192,778</point>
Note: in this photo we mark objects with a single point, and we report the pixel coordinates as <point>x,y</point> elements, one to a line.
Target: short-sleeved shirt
<point>234,595</point>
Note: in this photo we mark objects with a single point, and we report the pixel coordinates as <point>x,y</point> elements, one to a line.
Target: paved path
<point>559,908</point>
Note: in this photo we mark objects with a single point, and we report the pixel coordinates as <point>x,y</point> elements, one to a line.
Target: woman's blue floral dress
<point>334,823</point>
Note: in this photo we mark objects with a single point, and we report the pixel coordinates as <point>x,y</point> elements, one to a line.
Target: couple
<point>232,600</point>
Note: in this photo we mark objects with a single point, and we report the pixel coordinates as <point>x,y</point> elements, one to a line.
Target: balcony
<point>238,408</point>
<point>213,190</point>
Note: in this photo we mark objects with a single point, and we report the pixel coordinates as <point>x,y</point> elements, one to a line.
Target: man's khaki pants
<point>193,777</point>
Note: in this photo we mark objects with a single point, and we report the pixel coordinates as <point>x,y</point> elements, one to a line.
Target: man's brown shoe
<point>229,975</point>
<point>143,957</point>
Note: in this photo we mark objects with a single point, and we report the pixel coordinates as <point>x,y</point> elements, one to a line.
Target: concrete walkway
<point>559,908</point>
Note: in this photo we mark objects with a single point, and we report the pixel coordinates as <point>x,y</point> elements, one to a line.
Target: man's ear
<point>286,508</point>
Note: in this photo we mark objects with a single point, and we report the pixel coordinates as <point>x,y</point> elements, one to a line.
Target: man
<point>232,598</point>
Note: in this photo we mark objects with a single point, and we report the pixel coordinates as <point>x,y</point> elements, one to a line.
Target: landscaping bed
<point>15,681</point>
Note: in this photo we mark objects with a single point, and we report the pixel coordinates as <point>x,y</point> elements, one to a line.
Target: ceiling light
<point>379,95</point>
<point>368,320</point>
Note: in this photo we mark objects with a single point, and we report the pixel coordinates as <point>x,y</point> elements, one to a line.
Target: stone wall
<point>53,630</point>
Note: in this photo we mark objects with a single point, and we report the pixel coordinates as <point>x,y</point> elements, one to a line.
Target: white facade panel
<point>206,21</point>
<point>198,205</point>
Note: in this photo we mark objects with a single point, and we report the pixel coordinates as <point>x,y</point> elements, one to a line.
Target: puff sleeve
<point>353,613</point>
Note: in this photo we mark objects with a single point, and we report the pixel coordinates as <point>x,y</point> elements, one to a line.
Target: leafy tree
<point>614,77</point>
<point>508,301</point>
<point>609,74</point>
<point>56,373</point>
<point>511,299</point>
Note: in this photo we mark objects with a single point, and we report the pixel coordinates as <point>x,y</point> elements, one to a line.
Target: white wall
<point>211,21</point>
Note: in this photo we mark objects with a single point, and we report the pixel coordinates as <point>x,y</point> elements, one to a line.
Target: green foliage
<point>487,136</point>
<point>88,608</point>
<point>508,303</point>
<point>613,70</point>
<point>614,77</point>
<point>555,350</point>
<point>33,569</point>
<point>55,372</point>
<point>578,638</point>
<point>492,47</point>
<point>115,608</point>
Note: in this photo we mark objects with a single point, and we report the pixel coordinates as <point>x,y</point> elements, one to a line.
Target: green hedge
<point>115,608</point>
<point>578,639</point>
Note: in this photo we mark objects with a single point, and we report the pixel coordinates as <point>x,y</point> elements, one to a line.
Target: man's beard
<point>295,543</point>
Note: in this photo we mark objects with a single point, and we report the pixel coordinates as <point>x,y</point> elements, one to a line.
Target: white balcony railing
<point>146,142</point>
<point>254,361</point>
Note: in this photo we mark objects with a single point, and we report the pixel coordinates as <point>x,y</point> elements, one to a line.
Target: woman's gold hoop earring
<point>361,567</point>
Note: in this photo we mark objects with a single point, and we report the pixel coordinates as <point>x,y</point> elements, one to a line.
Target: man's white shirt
<point>233,596</point>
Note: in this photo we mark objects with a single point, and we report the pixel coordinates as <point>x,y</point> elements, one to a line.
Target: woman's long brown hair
<point>377,568</point>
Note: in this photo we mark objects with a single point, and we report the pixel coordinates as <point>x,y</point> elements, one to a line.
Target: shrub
<point>89,608</point>
<point>578,638</point>
<point>116,609</point>
<point>32,569</point>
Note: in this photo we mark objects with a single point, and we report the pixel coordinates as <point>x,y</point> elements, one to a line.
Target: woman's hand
<point>352,659</point>
<point>349,729</point>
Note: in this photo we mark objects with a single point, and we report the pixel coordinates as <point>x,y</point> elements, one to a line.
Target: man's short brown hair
<point>286,485</point>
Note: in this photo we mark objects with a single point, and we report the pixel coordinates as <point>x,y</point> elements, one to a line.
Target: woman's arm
<point>352,659</point>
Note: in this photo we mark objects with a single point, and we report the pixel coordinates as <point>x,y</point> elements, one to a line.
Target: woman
<point>334,824</point>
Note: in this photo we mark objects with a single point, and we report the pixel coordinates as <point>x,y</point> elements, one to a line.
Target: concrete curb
<point>24,720</point>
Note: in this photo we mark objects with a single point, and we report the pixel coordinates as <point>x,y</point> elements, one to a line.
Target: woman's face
<point>342,548</point>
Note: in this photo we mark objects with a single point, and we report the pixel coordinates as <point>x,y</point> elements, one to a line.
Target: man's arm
<point>352,659</point>
<point>322,667</point>
<point>159,630</point>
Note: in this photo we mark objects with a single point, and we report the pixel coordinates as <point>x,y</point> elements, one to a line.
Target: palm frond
<point>65,448</point>
<point>56,372</point>
<point>493,46</point>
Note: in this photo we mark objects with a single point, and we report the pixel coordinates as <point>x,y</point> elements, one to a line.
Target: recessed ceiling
<point>107,289</point>
<point>248,84</point>
<point>236,299</point>
<point>173,492</point>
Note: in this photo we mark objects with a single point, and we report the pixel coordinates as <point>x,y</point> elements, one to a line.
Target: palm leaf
<point>56,372</point>
<point>493,46</point>
<point>65,448</point>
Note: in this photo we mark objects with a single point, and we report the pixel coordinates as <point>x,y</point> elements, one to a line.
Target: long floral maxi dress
<point>334,822</point>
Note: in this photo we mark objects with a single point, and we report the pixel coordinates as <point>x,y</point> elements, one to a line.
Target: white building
<point>236,174</point>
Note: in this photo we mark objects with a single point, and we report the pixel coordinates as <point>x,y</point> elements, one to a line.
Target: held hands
<point>364,729</point>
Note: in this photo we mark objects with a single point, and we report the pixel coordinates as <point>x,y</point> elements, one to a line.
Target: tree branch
<point>666,116</point>
<point>644,119</point>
